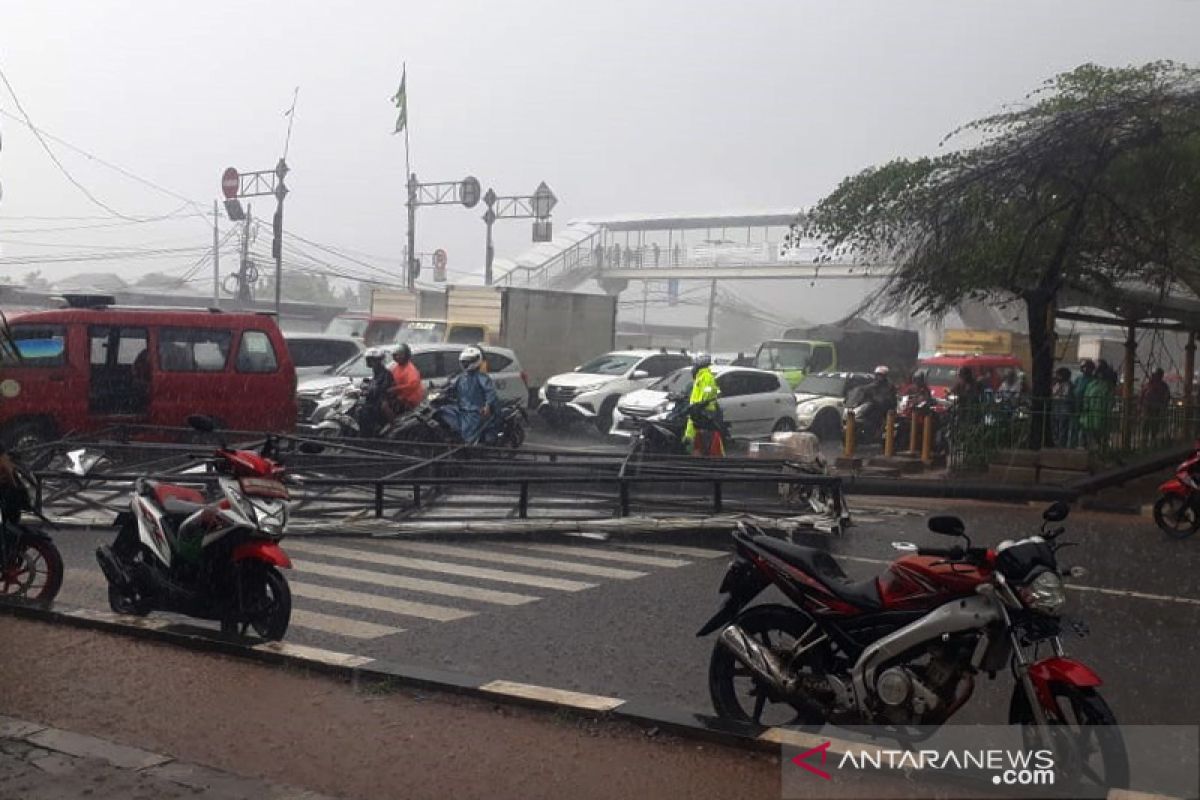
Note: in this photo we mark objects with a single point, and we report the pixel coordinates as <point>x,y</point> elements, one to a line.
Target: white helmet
<point>470,358</point>
<point>373,354</point>
<point>701,360</point>
<point>882,370</point>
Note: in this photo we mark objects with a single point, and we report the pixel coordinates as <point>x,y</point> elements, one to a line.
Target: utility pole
<point>244,281</point>
<point>411,261</point>
<point>712,304</point>
<point>536,206</point>
<point>216,257</point>
<point>265,182</point>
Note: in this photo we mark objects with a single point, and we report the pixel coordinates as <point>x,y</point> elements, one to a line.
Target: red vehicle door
<point>43,390</point>
<point>265,381</point>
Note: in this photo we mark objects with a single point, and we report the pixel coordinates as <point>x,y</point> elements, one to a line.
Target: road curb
<point>355,669</point>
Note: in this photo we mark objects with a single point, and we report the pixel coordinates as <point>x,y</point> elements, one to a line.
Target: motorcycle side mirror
<point>947,525</point>
<point>1057,511</point>
<point>904,547</point>
<point>202,423</point>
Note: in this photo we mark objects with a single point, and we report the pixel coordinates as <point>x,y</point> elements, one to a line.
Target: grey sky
<point>620,106</point>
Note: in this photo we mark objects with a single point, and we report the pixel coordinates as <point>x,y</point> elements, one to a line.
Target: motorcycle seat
<point>821,565</point>
<point>180,508</point>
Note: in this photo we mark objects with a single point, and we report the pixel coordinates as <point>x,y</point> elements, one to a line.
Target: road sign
<point>439,265</point>
<point>543,201</point>
<point>470,191</point>
<point>230,182</point>
<point>490,197</point>
<point>489,216</point>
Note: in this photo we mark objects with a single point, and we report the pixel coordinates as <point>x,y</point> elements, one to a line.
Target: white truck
<point>551,332</point>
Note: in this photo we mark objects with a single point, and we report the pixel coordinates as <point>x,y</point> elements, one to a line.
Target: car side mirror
<point>577,368</point>
<point>947,525</point>
<point>639,374</point>
<point>1057,511</point>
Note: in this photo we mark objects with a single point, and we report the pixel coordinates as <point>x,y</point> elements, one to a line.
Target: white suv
<point>591,392</point>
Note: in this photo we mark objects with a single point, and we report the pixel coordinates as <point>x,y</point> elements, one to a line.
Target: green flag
<point>400,99</point>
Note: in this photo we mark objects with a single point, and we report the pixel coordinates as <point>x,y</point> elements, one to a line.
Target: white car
<point>591,392</point>
<point>754,402</point>
<point>821,400</point>
<point>315,353</point>
<point>436,363</point>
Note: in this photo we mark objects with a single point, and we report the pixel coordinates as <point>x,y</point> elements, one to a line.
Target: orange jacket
<point>408,389</point>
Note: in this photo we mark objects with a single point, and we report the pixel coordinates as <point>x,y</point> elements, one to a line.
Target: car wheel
<point>604,419</point>
<point>784,425</point>
<point>827,426</point>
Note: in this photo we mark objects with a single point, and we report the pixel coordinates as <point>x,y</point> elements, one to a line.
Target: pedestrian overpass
<point>616,250</point>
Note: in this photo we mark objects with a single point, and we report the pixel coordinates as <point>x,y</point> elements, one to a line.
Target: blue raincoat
<point>474,391</point>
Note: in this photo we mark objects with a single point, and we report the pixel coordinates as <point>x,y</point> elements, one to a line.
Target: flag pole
<point>407,164</point>
<point>410,275</point>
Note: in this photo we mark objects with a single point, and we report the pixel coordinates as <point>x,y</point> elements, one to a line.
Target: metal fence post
<point>523,503</point>
<point>624,492</point>
<point>379,499</point>
<point>717,500</point>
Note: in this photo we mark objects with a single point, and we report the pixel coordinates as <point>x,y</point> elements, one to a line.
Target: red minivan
<point>92,365</point>
<point>941,371</point>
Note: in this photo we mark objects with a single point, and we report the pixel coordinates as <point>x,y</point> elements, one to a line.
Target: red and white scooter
<point>1177,510</point>
<point>217,559</point>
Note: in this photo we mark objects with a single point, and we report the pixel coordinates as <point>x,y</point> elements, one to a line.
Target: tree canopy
<point>1092,182</point>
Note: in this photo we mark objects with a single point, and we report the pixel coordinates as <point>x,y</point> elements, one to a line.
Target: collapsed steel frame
<point>343,482</point>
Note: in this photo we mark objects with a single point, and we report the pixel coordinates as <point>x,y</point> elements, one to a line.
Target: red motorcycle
<point>902,649</point>
<point>1177,510</point>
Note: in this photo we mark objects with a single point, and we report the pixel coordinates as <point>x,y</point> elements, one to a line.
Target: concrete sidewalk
<point>38,762</point>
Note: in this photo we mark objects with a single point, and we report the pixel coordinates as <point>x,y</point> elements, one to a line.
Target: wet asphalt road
<point>619,620</point>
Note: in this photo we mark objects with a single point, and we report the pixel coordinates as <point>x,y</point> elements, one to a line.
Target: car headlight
<point>806,409</point>
<point>591,387</point>
<point>1044,594</point>
<point>333,391</point>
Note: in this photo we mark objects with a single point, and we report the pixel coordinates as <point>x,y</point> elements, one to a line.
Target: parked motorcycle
<point>902,649</point>
<point>216,559</point>
<point>31,567</point>
<point>1177,510</point>
<point>336,416</point>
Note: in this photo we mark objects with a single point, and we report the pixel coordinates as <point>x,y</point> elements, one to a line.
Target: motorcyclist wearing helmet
<point>918,391</point>
<point>377,399</point>
<point>704,439</point>
<point>476,406</point>
<point>874,400</point>
<point>407,389</point>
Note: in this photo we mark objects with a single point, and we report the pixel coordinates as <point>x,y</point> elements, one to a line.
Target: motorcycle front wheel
<point>1083,723</point>
<point>736,694</point>
<point>32,569</point>
<point>1175,516</point>
<point>266,604</point>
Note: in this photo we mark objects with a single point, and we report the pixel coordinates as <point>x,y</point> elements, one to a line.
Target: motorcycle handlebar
<point>952,553</point>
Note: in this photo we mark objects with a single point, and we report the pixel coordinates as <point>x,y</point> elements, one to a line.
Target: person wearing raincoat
<point>704,439</point>
<point>475,412</point>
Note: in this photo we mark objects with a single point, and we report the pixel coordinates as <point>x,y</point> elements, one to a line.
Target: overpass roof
<point>682,222</point>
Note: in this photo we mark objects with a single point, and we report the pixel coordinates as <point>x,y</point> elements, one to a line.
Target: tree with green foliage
<point>1092,183</point>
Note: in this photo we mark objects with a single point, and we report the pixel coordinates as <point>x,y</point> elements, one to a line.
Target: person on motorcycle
<point>376,408</point>
<point>875,400</point>
<point>14,498</point>
<point>476,403</point>
<point>918,391</point>
<point>704,439</point>
<point>408,391</point>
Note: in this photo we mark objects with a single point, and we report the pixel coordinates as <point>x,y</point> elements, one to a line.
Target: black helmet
<point>402,352</point>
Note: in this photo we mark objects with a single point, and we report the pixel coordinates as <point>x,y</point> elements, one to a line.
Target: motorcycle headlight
<point>1044,594</point>
<point>241,504</point>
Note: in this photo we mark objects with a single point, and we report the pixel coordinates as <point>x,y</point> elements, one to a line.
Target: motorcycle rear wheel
<point>736,694</point>
<point>123,603</point>
<point>1082,714</point>
<point>1176,517</point>
<point>266,594</point>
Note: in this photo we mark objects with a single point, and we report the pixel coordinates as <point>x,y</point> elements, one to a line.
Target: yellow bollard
<point>927,440</point>
<point>914,429</point>
<point>851,431</point>
<point>889,435</point>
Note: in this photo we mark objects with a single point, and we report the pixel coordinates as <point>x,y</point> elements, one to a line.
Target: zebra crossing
<point>360,590</point>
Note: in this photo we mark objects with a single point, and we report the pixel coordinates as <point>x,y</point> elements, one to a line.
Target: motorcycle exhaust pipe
<point>754,656</point>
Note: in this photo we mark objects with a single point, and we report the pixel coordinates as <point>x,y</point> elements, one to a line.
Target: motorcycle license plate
<point>264,487</point>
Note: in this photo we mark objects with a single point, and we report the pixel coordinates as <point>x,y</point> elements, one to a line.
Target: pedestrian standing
<point>654,247</point>
<point>1061,405</point>
<point>1096,417</point>
<point>1154,402</point>
<point>1087,374</point>
<point>677,254</point>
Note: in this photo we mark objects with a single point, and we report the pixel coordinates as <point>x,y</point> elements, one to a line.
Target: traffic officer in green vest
<point>703,432</point>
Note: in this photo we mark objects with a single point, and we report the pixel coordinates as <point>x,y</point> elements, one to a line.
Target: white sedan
<point>754,402</point>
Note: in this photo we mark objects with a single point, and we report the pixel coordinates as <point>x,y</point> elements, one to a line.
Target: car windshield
<point>421,333</point>
<point>35,345</point>
<point>356,367</point>
<point>678,382</point>
<point>610,364</point>
<point>347,326</point>
<point>822,384</point>
<point>939,374</point>
<point>783,355</point>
